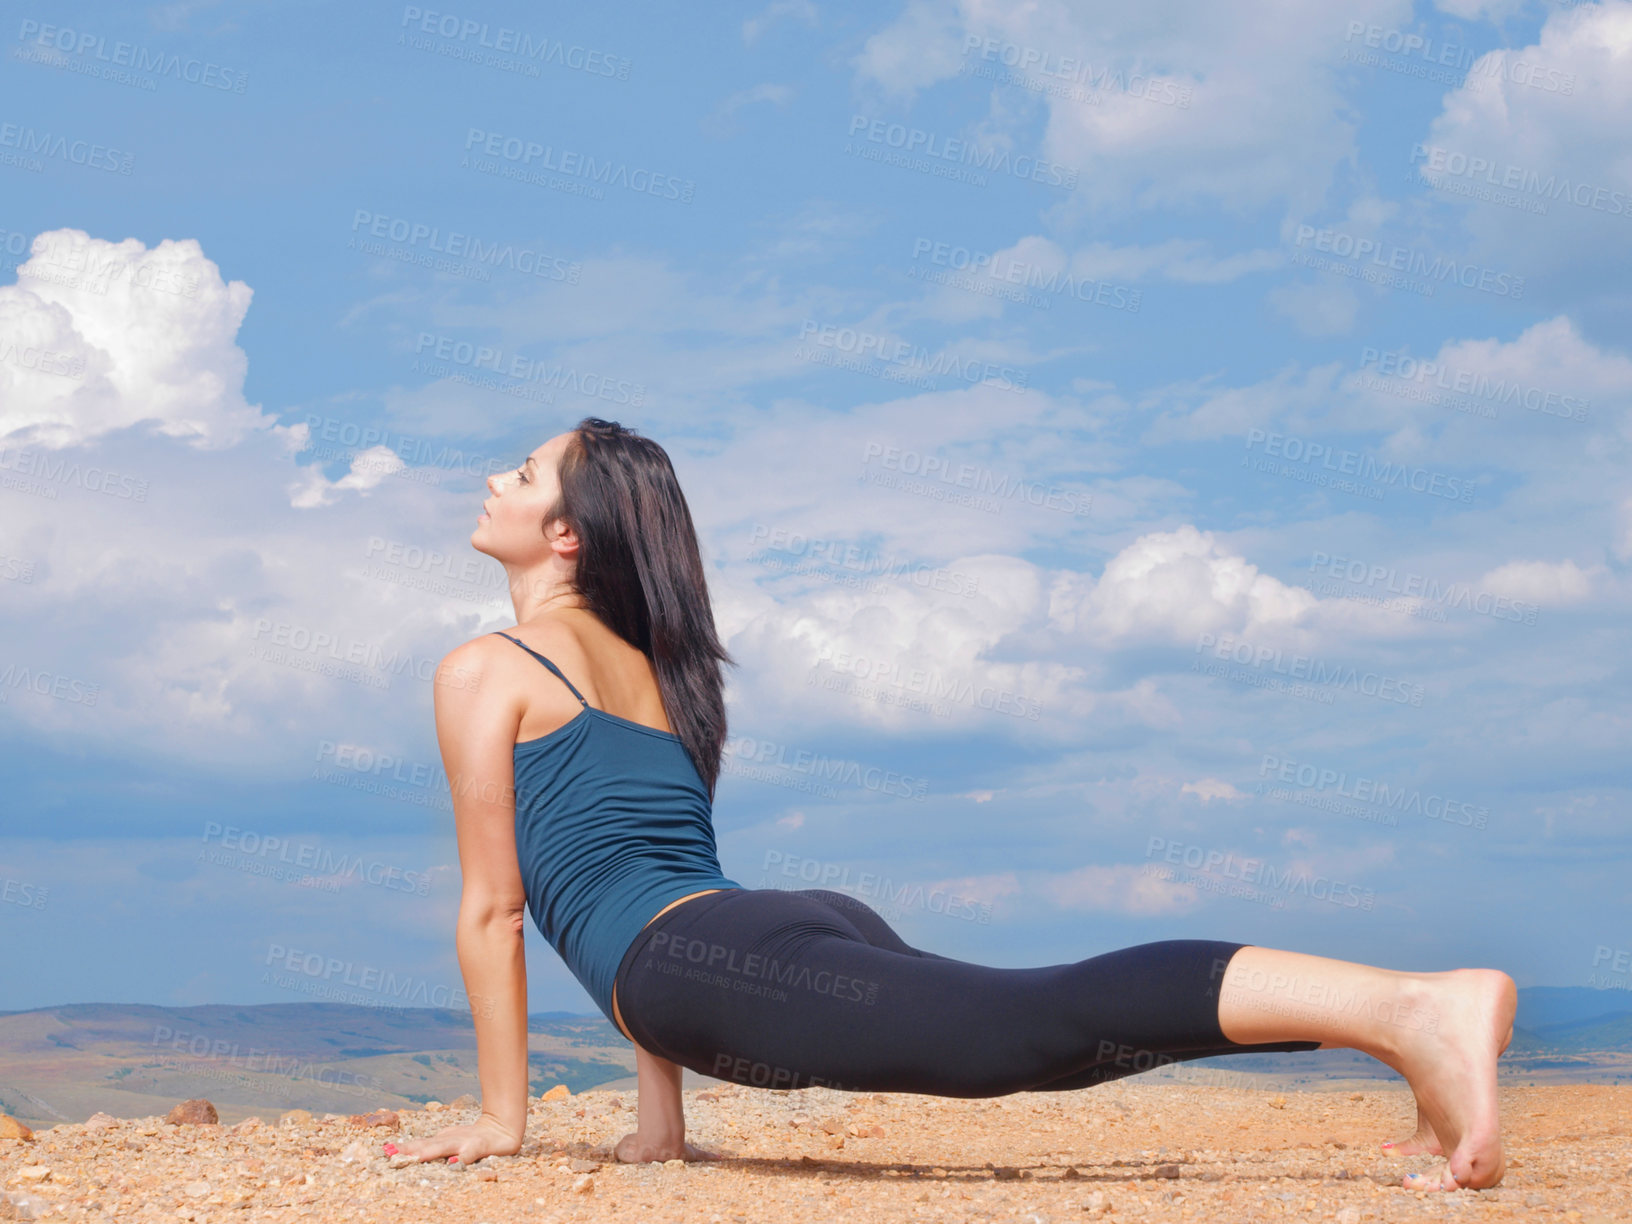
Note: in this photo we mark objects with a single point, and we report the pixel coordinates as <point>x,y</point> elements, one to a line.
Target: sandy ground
<point>1122,1151</point>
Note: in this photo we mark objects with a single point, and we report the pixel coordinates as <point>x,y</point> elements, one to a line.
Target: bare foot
<point>1452,1070</point>
<point>1423,1141</point>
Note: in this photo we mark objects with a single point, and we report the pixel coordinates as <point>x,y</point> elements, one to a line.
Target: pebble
<point>10,1128</point>
<point>196,1112</point>
<point>380,1117</point>
<point>583,1185</point>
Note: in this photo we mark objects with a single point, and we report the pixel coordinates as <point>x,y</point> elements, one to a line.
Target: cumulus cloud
<point>1548,123</point>
<point>1174,585</point>
<point>97,336</point>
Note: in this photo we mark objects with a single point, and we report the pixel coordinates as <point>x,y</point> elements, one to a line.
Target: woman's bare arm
<point>660,1117</point>
<point>476,729</point>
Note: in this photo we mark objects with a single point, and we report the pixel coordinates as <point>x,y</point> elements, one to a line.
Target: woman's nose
<point>493,483</point>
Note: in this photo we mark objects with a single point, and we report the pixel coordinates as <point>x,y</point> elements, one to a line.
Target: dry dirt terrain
<point>1123,1151</point>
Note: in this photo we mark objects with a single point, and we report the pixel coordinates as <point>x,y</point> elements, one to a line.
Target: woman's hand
<point>487,1136</point>
<point>633,1149</point>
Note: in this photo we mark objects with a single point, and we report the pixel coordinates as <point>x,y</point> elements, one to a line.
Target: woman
<point>582,750</point>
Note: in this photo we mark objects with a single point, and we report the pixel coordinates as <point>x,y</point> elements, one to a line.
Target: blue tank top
<point>613,822</point>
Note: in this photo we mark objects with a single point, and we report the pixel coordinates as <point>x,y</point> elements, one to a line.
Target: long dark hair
<point>640,572</point>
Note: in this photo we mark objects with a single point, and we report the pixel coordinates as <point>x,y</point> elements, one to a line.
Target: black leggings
<point>780,989</point>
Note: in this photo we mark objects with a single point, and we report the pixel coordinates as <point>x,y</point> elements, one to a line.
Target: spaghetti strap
<point>549,665</point>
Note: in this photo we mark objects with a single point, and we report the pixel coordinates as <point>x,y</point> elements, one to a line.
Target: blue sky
<point>1163,473</point>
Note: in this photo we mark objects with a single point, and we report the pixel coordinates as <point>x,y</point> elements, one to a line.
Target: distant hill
<point>62,1064</point>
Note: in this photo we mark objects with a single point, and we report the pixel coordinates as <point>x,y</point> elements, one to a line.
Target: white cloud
<point>1175,585</point>
<point>1121,888</point>
<point>137,335</point>
<point>1208,789</point>
<point>1548,583</point>
<point>1239,141</point>
<point>1513,112</point>
<point>368,468</point>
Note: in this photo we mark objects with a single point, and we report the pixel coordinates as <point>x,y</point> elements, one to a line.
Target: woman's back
<point>613,820</point>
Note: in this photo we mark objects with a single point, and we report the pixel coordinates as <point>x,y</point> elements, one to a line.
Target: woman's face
<point>509,528</point>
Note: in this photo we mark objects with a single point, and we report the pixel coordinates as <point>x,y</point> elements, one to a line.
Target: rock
<point>433,1106</point>
<point>101,1121</point>
<point>10,1128</point>
<point>1166,1170</point>
<point>356,1150</point>
<point>674,1164</point>
<point>1006,1173</point>
<point>1278,1103</point>
<point>402,1160</point>
<point>464,1102</point>
<point>20,1205</point>
<point>579,1165</point>
<point>34,1173</point>
<point>194,1112</point>
<point>1069,1173</point>
<point>583,1185</point>
<point>485,1174</point>
<point>1097,1201</point>
<point>380,1117</point>
<point>294,1117</point>
<point>559,1093</point>
<point>831,1125</point>
<point>250,1123</point>
<point>196,1189</point>
<point>1349,1215</point>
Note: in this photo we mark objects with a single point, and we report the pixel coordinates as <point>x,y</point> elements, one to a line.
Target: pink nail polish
<point>1390,1143</point>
